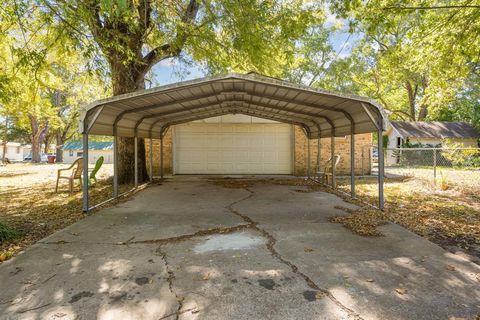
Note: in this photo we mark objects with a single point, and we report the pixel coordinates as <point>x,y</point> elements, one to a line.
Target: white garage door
<point>233,148</point>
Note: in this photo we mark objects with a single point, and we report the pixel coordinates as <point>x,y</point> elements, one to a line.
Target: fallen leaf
<point>401,290</point>
<point>320,295</point>
<point>206,277</point>
<point>307,249</point>
<point>370,280</point>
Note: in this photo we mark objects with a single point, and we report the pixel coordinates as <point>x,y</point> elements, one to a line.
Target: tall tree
<point>38,62</point>
<point>415,57</point>
<point>131,36</point>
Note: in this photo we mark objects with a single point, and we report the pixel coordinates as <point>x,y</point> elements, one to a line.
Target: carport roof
<point>149,112</point>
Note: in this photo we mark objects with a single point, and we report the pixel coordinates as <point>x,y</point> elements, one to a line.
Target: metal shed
<point>149,113</point>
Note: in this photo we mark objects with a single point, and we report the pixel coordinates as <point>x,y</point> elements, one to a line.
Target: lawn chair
<point>75,174</point>
<point>322,176</point>
<point>98,164</point>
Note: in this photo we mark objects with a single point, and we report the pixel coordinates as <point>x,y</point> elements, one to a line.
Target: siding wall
<point>93,155</point>
<point>14,153</point>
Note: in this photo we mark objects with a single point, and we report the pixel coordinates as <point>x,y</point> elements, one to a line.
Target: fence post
<point>434,166</point>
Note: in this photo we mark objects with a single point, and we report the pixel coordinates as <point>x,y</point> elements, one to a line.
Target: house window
<point>399,142</point>
<point>70,153</point>
<point>79,154</point>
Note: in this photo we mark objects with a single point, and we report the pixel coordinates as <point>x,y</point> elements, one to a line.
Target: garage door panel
<point>245,148</point>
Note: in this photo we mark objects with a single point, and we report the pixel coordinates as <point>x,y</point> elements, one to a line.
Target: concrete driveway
<point>190,249</point>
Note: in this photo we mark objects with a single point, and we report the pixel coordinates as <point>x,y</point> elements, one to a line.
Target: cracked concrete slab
<point>364,273</point>
<point>267,252</point>
<point>243,284</point>
<point>158,212</point>
<point>74,281</point>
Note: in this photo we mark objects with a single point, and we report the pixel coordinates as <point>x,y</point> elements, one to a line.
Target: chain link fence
<point>444,168</point>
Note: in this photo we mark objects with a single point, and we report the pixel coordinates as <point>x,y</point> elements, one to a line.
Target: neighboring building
<point>27,151</point>
<point>429,134</point>
<point>240,144</point>
<point>74,149</point>
<point>14,151</point>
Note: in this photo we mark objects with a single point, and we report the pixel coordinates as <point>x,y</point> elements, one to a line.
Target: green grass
<point>7,233</point>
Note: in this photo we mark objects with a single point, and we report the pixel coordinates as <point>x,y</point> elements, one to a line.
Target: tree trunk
<point>47,143</point>
<point>36,150</point>
<point>5,139</point>
<point>59,145</point>
<point>38,134</point>
<point>422,114</point>
<point>127,79</point>
<point>411,99</point>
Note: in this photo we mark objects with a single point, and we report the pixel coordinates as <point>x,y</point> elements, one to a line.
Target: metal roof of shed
<point>150,112</point>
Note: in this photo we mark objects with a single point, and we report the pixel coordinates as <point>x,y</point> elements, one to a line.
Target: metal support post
<point>85,172</point>
<point>318,153</point>
<point>115,166</point>
<point>332,155</point>
<point>161,156</point>
<point>151,160</point>
<point>308,158</point>
<point>136,159</point>
<point>381,168</point>
<point>352,161</point>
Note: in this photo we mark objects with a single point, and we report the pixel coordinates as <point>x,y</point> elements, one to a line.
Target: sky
<point>172,70</point>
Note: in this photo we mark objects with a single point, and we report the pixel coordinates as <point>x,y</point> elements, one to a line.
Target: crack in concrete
<point>185,237</point>
<point>170,279</point>
<point>271,247</point>
<point>250,224</point>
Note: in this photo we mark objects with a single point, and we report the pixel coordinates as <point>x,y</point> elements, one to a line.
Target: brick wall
<point>342,147</point>
<point>167,154</point>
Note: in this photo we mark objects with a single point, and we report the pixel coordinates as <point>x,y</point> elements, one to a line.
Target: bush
<point>7,233</point>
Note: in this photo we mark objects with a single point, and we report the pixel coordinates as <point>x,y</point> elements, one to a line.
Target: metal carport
<point>149,113</point>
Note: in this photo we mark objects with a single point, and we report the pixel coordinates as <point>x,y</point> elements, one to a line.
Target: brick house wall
<point>167,154</point>
<point>342,147</point>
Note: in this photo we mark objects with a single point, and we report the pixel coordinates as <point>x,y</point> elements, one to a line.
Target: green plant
<point>7,233</point>
<point>443,182</point>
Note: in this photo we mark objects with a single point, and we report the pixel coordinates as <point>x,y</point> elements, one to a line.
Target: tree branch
<point>432,7</point>
<point>175,47</point>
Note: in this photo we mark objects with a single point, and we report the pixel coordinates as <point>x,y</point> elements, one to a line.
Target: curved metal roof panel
<point>147,112</point>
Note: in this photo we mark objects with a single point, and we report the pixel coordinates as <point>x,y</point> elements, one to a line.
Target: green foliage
<point>48,78</point>
<point>443,182</point>
<point>416,62</point>
<point>7,233</point>
<point>460,157</point>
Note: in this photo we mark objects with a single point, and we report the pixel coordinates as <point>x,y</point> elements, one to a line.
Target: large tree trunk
<point>47,144</point>
<point>35,150</point>
<point>5,139</point>
<point>412,94</point>
<point>59,141</point>
<point>127,79</point>
<point>37,136</point>
<point>422,114</point>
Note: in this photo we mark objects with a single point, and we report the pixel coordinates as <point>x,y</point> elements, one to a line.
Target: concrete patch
<point>235,241</point>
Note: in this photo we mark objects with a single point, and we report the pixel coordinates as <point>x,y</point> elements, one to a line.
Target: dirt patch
<point>233,183</point>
